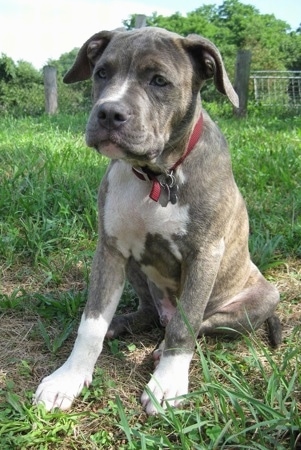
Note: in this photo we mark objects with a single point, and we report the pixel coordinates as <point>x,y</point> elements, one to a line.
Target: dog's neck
<point>166,180</point>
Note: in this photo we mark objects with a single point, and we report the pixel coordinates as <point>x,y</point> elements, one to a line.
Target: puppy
<point>171,218</point>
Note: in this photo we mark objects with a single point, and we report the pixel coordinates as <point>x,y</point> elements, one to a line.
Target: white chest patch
<point>129,213</point>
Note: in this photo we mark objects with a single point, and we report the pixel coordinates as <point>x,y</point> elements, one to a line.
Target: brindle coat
<point>188,260</point>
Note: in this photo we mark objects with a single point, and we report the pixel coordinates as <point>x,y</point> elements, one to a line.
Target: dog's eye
<point>101,73</point>
<point>158,80</point>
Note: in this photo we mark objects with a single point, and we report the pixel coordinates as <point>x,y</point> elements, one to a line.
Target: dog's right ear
<point>85,61</point>
<point>209,64</point>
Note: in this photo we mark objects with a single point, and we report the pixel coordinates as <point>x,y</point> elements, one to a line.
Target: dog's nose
<point>112,115</point>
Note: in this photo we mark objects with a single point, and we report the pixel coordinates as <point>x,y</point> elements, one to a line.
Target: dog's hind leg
<point>246,312</point>
<point>146,317</point>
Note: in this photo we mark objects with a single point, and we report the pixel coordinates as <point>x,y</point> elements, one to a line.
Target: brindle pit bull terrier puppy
<point>171,218</point>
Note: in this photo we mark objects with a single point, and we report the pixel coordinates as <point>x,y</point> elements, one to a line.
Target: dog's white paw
<point>168,384</point>
<point>59,389</point>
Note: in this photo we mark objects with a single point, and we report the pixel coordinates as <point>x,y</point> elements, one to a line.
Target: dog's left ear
<point>83,65</point>
<point>209,64</point>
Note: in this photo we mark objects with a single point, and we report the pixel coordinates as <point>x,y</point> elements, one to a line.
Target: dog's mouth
<point>114,151</point>
<point>115,148</point>
<point>110,149</point>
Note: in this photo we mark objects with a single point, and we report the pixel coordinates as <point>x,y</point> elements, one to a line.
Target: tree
<point>292,48</point>
<point>28,74</point>
<point>21,87</point>
<point>246,28</point>
<point>7,69</point>
<point>195,22</point>
<point>234,25</point>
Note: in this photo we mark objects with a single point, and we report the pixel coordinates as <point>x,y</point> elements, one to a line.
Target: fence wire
<point>276,87</point>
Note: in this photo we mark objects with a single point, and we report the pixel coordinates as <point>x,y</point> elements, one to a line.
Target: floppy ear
<point>86,57</point>
<point>209,63</point>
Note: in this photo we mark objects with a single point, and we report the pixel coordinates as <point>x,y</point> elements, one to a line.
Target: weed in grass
<point>68,305</point>
<point>55,343</point>
<point>264,252</point>
<point>103,439</point>
<point>22,426</point>
<point>24,369</point>
<point>114,346</point>
<point>65,311</point>
<point>98,388</point>
<point>13,301</point>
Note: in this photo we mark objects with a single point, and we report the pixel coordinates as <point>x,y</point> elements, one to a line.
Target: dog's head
<point>146,85</point>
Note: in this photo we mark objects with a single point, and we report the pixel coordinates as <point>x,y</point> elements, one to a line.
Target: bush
<point>22,89</point>
<point>20,101</point>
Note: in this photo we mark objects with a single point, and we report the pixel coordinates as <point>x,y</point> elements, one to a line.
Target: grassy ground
<point>243,394</point>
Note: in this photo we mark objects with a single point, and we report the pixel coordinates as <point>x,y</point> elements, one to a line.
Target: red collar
<point>195,136</point>
<point>145,174</point>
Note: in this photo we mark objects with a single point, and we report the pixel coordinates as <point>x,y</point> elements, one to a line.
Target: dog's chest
<point>131,217</point>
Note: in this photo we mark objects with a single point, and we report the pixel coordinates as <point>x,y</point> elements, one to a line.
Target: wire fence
<point>276,87</point>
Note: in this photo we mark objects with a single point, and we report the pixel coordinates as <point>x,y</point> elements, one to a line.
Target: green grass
<point>48,188</point>
<point>227,412</point>
<point>243,395</point>
<point>267,163</point>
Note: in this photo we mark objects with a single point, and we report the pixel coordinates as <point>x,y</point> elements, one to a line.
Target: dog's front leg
<point>169,381</point>
<point>106,284</point>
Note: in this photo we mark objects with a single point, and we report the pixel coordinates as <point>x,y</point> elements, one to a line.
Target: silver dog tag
<point>173,194</point>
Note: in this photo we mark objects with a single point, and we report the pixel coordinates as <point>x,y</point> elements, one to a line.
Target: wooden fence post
<point>140,21</point>
<point>50,88</point>
<point>241,85</point>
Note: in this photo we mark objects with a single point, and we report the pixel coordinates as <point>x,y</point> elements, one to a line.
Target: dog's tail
<point>274,330</point>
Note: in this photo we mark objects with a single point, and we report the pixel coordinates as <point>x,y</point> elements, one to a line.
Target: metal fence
<point>276,87</point>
